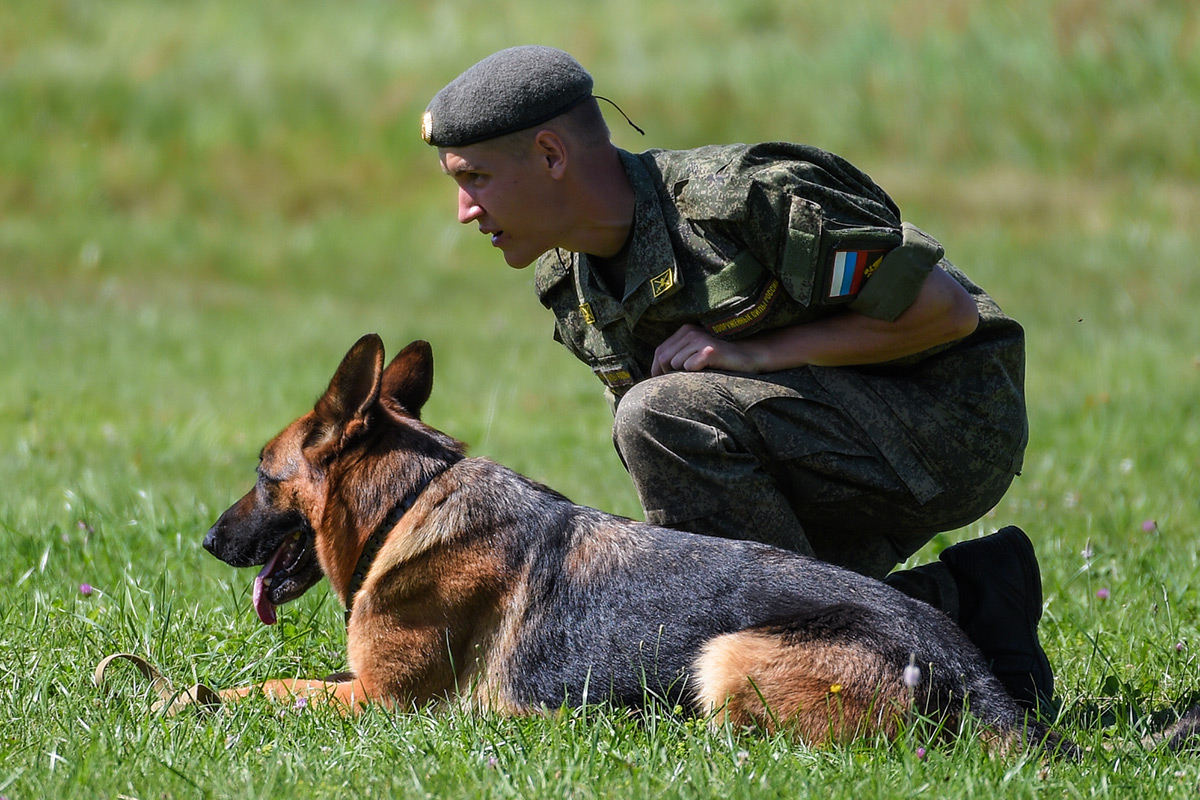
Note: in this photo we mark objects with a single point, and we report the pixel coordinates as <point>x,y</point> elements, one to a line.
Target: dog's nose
<point>210,540</point>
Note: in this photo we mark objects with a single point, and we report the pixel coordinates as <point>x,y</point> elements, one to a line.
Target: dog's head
<point>277,523</point>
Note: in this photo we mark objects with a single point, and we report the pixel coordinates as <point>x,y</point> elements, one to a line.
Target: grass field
<point>202,205</point>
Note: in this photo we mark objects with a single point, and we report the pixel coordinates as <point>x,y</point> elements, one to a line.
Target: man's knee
<point>631,416</point>
<point>671,409</point>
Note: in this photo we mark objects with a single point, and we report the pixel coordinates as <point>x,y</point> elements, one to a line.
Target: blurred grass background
<point>203,204</point>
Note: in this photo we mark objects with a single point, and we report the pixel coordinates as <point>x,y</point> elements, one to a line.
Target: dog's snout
<point>210,540</point>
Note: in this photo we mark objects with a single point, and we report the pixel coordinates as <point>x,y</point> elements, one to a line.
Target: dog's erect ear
<point>408,380</point>
<point>345,407</point>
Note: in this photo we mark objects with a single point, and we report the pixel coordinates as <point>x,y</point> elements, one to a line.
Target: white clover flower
<point>912,676</point>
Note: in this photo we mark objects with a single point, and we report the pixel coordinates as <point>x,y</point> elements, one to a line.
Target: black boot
<point>1001,587</point>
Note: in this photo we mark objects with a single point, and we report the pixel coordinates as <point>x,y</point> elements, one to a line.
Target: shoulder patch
<point>849,269</point>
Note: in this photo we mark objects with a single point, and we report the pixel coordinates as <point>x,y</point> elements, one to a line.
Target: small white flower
<point>912,676</point>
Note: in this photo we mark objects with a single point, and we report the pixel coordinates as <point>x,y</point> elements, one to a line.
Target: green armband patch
<point>895,283</point>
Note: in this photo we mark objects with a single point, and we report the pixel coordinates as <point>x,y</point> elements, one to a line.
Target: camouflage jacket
<point>747,238</point>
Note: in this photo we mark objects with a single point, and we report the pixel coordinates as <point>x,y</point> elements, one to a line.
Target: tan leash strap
<point>169,701</point>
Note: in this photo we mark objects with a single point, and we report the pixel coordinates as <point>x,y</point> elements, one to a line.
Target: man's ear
<point>344,409</point>
<point>552,150</point>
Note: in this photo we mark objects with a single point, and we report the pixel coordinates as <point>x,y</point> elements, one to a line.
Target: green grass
<point>202,205</point>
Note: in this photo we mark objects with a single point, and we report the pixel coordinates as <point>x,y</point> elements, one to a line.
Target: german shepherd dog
<point>465,580</point>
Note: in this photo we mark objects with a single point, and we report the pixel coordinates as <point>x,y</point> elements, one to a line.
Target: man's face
<point>510,194</point>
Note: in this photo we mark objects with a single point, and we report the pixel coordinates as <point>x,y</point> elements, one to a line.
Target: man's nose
<point>468,209</point>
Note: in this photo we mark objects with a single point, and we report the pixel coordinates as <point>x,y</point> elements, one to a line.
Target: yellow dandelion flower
<point>835,688</point>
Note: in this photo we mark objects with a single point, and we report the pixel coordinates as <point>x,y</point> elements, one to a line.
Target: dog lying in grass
<point>465,580</point>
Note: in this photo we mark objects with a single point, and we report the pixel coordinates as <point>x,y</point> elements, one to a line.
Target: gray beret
<point>506,92</point>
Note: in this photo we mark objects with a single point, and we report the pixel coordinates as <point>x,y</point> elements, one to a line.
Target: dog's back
<point>605,609</point>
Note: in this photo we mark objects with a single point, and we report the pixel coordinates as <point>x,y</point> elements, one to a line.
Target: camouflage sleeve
<point>831,234</point>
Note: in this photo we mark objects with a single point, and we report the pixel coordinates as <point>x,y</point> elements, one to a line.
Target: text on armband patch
<point>731,324</point>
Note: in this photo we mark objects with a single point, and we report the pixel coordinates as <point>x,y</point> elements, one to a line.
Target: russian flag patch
<point>850,269</point>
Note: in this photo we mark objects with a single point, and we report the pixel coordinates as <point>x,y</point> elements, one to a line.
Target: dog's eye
<point>267,479</point>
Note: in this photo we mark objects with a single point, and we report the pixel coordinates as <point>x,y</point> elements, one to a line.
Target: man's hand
<point>691,349</point>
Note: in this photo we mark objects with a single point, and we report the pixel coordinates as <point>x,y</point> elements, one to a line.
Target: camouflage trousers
<point>780,459</point>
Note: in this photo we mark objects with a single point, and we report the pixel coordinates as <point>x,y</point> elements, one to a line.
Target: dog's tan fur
<point>739,670</point>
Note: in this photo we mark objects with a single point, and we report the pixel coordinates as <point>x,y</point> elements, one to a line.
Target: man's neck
<point>612,270</point>
<point>607,204</point>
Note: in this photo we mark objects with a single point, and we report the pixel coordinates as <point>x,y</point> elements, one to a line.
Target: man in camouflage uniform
<point>787,360</point>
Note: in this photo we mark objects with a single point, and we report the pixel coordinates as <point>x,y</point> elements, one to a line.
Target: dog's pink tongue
<point>262,604</point>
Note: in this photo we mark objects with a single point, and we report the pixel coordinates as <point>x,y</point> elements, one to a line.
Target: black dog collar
<point>378,537</point>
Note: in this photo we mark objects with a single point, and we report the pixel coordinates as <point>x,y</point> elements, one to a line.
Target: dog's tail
<point>1182,736</point>
<point>1007,726</point>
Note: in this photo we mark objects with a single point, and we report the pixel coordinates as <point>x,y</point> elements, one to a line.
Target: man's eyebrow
<point>462,169</point>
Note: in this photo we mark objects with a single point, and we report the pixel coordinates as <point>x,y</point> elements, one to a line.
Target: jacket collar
<point>651,272</point>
